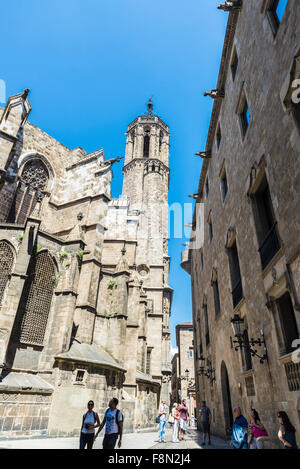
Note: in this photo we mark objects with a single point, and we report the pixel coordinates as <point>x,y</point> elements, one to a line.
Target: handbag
<point>260,435</point>
<point>171,418</point>
<point>157,420</point>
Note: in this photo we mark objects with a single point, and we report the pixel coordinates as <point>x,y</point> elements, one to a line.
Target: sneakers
<point>203,443</point>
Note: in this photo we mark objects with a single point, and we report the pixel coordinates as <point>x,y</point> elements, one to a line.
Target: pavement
<point>130,441</point>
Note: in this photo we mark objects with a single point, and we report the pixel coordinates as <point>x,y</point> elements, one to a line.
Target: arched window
<point>6,264</point>
<point>146,142</point>
<point>33,181</point>
<point>161,136</point>
<point>35,303</point>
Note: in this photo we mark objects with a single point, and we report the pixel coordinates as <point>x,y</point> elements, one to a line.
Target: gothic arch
<point>35,303</point>
<point>227,406</point>
<point>34,179</point>
<point>7,257</point>
<point>28,156</point>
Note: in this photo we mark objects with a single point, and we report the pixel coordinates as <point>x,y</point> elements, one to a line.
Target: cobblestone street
<point>130,441</point>
<point>193,440</point>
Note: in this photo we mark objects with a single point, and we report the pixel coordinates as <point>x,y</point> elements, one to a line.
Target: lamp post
<point>240,342</point>
<point>209,372</point>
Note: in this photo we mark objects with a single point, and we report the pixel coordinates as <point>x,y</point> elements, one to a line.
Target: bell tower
<point>145,186</point>
<point>147,146</point>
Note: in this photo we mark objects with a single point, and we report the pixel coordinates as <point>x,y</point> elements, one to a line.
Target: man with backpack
<point>205,416</point>
<point>113,419</point>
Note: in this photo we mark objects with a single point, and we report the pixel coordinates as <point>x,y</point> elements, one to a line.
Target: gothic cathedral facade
<point>84,278</point>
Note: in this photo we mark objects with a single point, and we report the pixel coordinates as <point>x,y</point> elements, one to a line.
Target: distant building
<point>183,377</point>
<point>248,266</point>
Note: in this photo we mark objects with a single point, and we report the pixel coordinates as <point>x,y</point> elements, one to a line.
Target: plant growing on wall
<point>112,285</point>
<point>36,249</point>
<point>62,255</point>
<point>56,278</point>
<point>20,237</point>
<point>79,254</point>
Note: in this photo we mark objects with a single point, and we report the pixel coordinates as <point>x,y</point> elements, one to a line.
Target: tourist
<point>258,431</point>
<point>183,414</point>
<point>90,421</point>
<point>113,419</point>
<point>239,430</point>
<point>287,432</point>
<point>162,421</point>
<point>205,417</point>
<point>175,415</point>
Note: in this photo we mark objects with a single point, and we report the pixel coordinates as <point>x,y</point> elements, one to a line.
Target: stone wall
<point>270,146</point>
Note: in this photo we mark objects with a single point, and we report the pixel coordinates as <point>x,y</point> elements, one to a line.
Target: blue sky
<point>91,66</point>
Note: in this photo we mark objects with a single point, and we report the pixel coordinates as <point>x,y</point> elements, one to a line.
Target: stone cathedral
<point>84,292</point>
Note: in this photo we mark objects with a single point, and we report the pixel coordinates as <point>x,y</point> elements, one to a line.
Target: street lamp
<point>241,342</point>
<point>209,373</point>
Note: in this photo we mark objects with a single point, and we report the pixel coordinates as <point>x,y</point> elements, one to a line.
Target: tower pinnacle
<point>150,107</point>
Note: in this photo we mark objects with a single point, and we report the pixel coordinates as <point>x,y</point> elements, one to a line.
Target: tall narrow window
<point>33,181</point>
<point>207,187</point>
<point>224,185</point>
<point>210,228</point>
<point>161,136</point>
<point>235,274</point>
<point>200,336</point>
<point>146,143</point>
<point>219,136</point>
<point>244,118</point>
<point>215,286</point>
<point>288,322</point>
<point>265,222</point>
<point>148,362</point>
<point>34,308</point>
<point>276,12</point>
<point>207,338</point>
<point>201,260</point>
<point>234,64</point>
<point>6,265</point>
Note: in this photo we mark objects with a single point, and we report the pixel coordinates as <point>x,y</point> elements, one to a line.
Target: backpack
<point>205,414</point>
<point>95,413</point>
<point>116,417</point>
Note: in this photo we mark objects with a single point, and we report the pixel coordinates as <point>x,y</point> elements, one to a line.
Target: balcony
<point>269,247</point>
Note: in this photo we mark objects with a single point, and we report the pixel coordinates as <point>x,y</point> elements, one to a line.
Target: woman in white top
<point>175,415</point>
<point>90,421</point>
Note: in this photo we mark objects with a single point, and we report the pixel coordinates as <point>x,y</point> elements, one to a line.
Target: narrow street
<point>130,441</point>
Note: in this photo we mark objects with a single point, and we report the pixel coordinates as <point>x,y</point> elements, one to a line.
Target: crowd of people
<point>252,435</point>
<point>245,435</point>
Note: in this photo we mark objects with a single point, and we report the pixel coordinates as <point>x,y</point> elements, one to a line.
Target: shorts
<point>183,424</point>
<point>205,427</point>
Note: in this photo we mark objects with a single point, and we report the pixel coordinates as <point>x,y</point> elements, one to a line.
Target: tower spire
<point>150,107</point>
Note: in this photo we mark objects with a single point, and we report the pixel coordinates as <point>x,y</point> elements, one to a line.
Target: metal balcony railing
<point>292,371</point>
